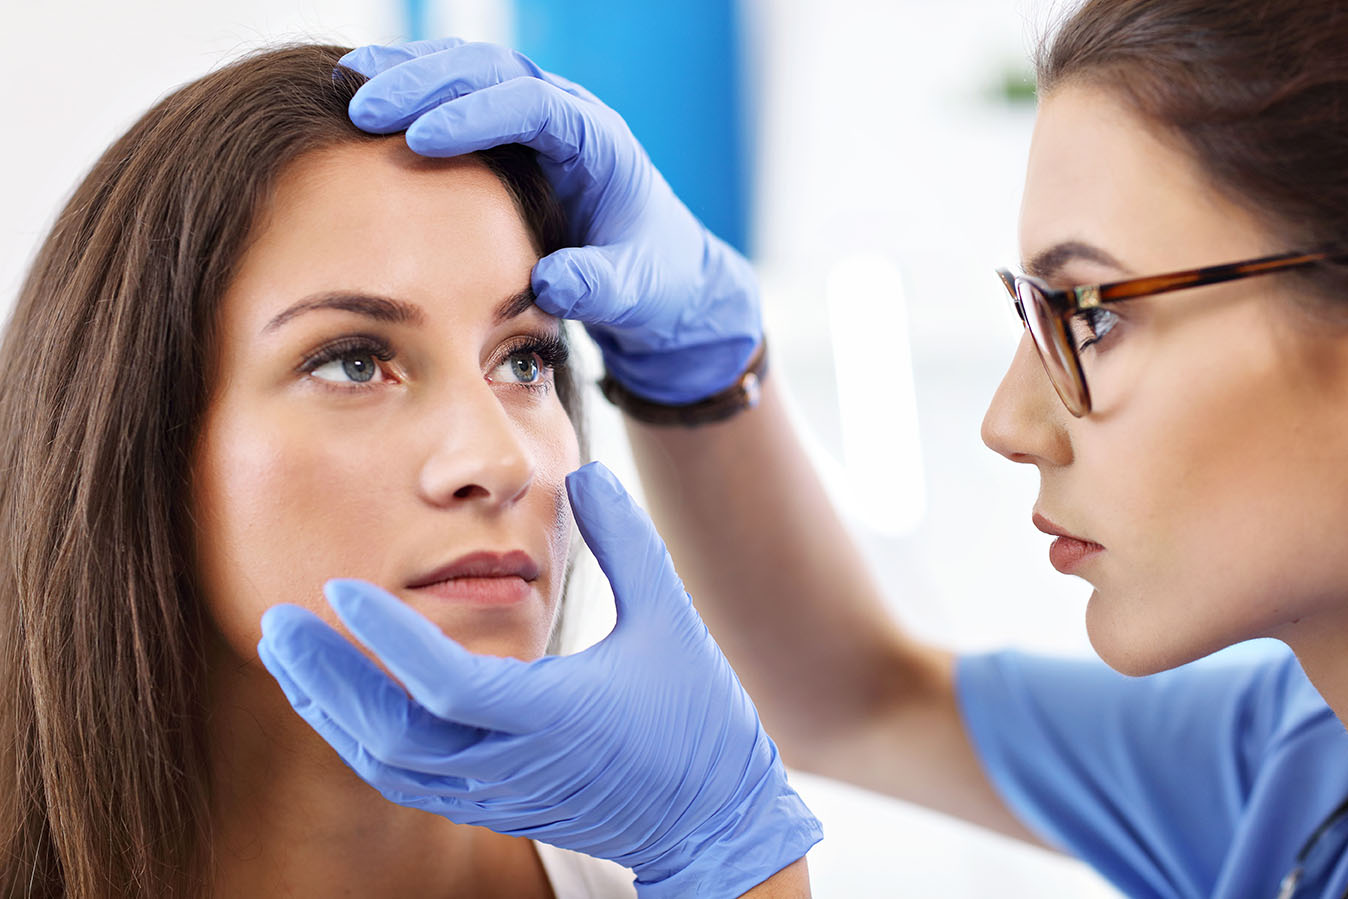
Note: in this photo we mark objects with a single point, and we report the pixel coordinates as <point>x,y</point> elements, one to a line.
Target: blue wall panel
<point>673,70</point>
<point>415,19</point>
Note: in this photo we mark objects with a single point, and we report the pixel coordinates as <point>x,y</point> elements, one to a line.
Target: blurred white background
<point>887,176</point>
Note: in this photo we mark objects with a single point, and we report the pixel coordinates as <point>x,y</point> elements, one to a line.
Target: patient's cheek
<point>277,515</point>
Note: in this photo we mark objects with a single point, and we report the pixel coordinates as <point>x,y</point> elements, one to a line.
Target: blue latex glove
<point>674,309</point>
<point>643,749</point>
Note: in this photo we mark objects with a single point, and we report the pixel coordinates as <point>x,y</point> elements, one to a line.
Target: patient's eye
<point>350,360</point>
<point>356,368</point>
<point>520,367</point>
<point>529,361</point>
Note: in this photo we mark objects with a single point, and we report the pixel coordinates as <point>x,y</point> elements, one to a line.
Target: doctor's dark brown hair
<point>103,777</point>
<point>1256,91</point>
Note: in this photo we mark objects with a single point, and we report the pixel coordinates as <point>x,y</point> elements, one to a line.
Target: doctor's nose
<point>1025,421</point>
<point>478,454</point>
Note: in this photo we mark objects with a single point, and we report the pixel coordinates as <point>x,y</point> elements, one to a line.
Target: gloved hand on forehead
<point>674,309</point>
<point>643,749</point>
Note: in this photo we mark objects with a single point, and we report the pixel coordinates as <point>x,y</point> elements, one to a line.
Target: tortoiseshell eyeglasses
<point>1048,313</point>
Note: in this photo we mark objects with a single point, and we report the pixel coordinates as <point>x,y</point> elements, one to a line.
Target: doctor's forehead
<point>1107,191</point>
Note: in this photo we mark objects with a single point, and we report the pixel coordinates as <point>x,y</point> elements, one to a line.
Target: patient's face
<point>383,406</point>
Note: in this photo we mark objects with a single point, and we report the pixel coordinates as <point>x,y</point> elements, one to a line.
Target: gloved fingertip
<point>593,479</point>
<point>361,60</point>
<point>282,620</point>
<point>272,662</point>
<point>346,595</point>
<point>585,282</point>
<point>431,135</point>
<point>372,59</point>
<point>557,284</point>
<point>551,302</point>
<point>272,620</point>
<point>276,666</point>
<point>580,282</point>
<point>369,113</point>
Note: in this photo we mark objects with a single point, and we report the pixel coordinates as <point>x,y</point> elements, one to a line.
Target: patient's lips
<point>483,578</point>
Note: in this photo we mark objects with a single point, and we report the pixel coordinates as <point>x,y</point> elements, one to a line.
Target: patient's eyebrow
<point>387,309</point>
<point>514,305</point>
<point>1048,264</point>
<point>384,309</point>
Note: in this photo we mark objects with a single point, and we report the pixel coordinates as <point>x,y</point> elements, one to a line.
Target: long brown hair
<point>1256,89</point>
<point>103,784</point>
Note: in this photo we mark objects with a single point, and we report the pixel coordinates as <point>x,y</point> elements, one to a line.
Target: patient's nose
<point>479,454</point>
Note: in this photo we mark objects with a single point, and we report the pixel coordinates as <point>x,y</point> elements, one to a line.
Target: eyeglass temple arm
<point>1092,295</point>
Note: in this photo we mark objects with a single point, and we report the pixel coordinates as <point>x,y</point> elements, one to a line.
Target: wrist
<point>744,845</point>
<point>740,396</point>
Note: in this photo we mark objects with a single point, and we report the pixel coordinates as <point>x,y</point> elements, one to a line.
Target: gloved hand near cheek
<point>674,309</point>
<point>643,749</point>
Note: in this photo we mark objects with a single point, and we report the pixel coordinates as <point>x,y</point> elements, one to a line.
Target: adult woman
<point>273,348</point>
<point>1195,452</point>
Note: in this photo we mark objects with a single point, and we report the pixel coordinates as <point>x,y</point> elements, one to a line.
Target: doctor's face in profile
<point>1209,476</point>
<point>384,406</point>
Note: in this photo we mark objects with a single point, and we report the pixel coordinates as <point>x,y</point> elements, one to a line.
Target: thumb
<point>581,283</point>
<point>443,677</point>
<point>626,545</point>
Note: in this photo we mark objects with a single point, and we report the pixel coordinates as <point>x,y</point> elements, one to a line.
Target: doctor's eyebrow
<point>388,309</point>
<point>1048,264</point>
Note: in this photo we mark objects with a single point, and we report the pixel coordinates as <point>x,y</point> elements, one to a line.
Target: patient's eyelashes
<point>352,359</point>
<point>529,361</point>
<point>361,361</point>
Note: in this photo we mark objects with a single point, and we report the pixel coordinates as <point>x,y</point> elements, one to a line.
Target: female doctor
<point>1182,389</point>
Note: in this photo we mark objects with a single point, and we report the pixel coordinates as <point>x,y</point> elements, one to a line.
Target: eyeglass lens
<point>1052,339</point>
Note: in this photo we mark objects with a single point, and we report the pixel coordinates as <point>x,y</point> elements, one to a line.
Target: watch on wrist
<point>743,394</point>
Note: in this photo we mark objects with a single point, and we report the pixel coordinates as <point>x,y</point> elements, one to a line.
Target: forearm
<point>792,882</point>
<point>788,596</point>
<point>774,573</point>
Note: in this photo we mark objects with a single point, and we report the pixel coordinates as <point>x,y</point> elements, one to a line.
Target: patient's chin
<point>520,631</point>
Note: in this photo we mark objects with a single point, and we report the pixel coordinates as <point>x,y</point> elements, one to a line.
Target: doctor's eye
<point>350,360</point>
<point>1090,326</point>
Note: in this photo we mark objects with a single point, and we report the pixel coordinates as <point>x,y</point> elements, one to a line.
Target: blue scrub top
<point>1203,781</point>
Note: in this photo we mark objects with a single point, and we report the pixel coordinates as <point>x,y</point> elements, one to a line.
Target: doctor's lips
<point>482,578</point>
<point>1068,551</point>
